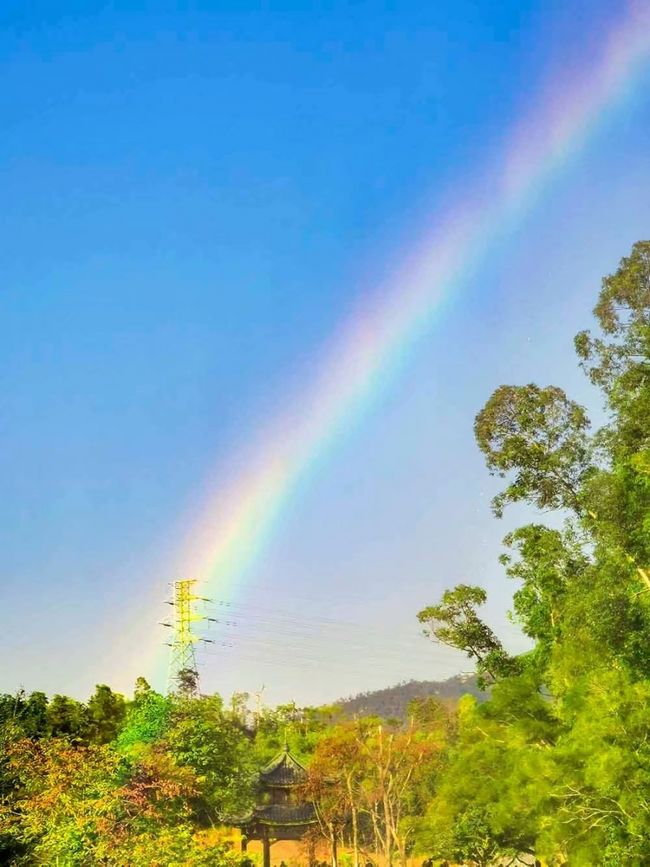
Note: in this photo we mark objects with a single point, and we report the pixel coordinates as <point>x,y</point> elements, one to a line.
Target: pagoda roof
<point>283,770</point>
<point>283,814</point>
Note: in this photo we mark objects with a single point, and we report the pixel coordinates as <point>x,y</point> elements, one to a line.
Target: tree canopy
<point>555,763</point>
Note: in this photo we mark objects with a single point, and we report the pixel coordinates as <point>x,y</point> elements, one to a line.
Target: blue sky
<point>194,196</point>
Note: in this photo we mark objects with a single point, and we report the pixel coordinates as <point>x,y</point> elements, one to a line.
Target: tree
<point>147,720</point>
<point>396,761</point>
<point>67,717</point>
<point>495,786</point>
<point>334,785</point>
<point>28,713</point>
<point>141,689</point>
<point>617,359</point>
<point>34,715</point>
<point>11,847</point>
<point>539,436</point>
<point>369,780</point>
<point>454,622</point>
<point>299,727</point>
<point>556,763</point>
<point>549,565</point>
<point>60,798</point>
<point>106,713</point>
<point>201,736</point>
<point>187,682</point>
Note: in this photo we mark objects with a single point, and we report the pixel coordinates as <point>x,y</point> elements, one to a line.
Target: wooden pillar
<point>267,850</point>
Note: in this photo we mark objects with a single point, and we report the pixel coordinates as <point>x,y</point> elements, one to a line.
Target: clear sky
<point>195,196</point>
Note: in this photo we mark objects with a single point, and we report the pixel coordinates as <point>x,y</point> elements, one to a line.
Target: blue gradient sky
<point>194,195</point>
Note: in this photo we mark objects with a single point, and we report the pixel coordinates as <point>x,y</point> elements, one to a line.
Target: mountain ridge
<point>393,701</point>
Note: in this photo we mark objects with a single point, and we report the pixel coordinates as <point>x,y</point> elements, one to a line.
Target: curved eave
<point>291,785</point>
<point>270,824</point>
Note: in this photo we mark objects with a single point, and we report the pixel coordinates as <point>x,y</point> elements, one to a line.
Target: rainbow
<point>236,523</point>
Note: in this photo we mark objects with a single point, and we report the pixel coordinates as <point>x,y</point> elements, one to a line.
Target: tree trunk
<point>333,846</point>
<point>401,846</point>
<point>379,842</point>
<point>355,837</point>
<point>388,842</point>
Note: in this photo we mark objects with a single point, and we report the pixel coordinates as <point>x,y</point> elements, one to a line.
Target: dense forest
<point>554,765</point>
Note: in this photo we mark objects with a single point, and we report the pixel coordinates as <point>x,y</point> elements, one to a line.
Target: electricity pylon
<point>183,674</point>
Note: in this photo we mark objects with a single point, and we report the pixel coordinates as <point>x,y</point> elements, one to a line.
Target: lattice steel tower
<point>183,674</point>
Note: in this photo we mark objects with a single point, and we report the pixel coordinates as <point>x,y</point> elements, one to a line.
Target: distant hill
<point>392,702</point>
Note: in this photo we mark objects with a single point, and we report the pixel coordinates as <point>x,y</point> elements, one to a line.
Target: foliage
<point>27,713</point>
<point>556,763</point>
<point>201,736</point>
<point>106,713</point>
<point>147,719</point>
<point>454,622</point>
<point>67,717</point>
<point>492,790</point>
<point>86,805</point>
<point>368,778</point>
<point>299,728</point>
<point>538,436</point>
<point>110,782</point>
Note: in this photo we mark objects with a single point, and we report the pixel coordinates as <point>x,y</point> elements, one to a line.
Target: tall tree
<point>556,761</point>
<point>334,785</point>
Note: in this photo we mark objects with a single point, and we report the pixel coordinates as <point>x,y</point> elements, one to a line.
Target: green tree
<point>141,689</point>
<point>11,846</point>
<point>203,737</point>
<point>28,713</point>
<point>106,713</point>
<point>34,717</point>
<point>299,727</point>
<point>147,720</point>
<point>454,622</point>
<point>539,437</point>
<point>67,717</point>
<point>555,763</point>
<point>616,360</point>
<point>496,785</point>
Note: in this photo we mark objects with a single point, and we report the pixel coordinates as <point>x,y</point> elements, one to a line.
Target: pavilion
<point>279,813</point>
